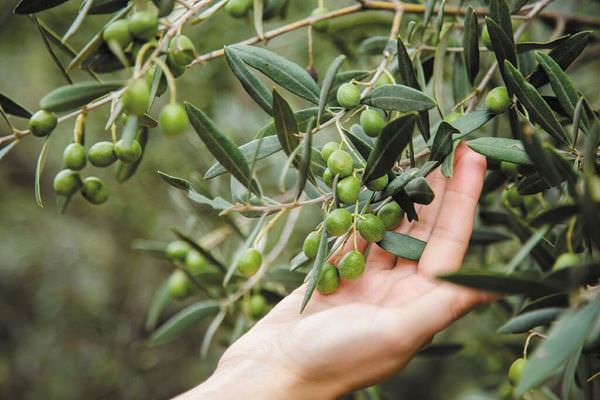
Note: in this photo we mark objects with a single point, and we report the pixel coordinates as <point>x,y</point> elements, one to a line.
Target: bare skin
<point>370,327</point>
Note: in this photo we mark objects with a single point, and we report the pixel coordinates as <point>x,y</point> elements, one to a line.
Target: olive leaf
<point>285,123</point>
<point>13,108</point>
<point>448,163</point>
<point>83,12</point>
<point>565,337</point>
<point>555,215</point>
<point>305,162</point>
<point>253,86</point>
<point>282,71</point>
<point>69,97</point>
<point>498,282</point>
<point>317,267</point>
<point>159,302</point>
<point>39,168</point>
<point>399,98</point>
<point>471,43</point>
<point>532,100</point>
<point>183,321</point>
<point>106,6</point>
<point>200,249</point>
<point>504,47</point>
<point>500,13</point>
<point>470,122</point>
<point>270,145</point>
<point>389,146</point>
<point>485,236</point>
<point>529,320</point>
<point>402,245</point>
<point>419,191</point>
<point>360,140</point>
<point>33,6</point>
<point>523,47</point>
<point>442,141</point>
<point>429,6</point>
<point>561,83</point>
<point>211,330</point>
<point>564,54</point>
<point>258,7</point>
<point>218,203</point>
<point>501,149</point>
<point>6,149</point>
<point>221,147</point>
<point>438,64</point>
<point>46,39</point>
<point>328,83</point>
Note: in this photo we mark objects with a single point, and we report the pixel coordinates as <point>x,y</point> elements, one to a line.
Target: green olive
<point>250,262</point>
<point>118,32</point>
<point>371,228</point>
<point>74,156</point>
<point>378,184</point>
<point>498,100</point>
<point>340,163</point>
<point>383,79</point>
<point>178,285</point>
<point>42,123</point>
<point>258,306</point>
<point>320,26</point>
<point>128,153</point>
<point>329,279</point>
<point>391,214</point>
<point>328,149</point>
<point>338,221</point>
<point>94,190</point>
<point>238,8</point>
<point>450,118</point>
<point>177,250</point>
<point>195,262</point>
<point>136,98</point>
<point>182,50</point>
<point>352,265</point>
<point>516,370</point>
<point>173,120</point>
<point>348,95</point>
<point>510,169</point>
<point>566,260</point>
<point>485,38</point>
<point>66,182</point>
<point>311,244</point>
<point>102,154</point>
<point>143,25</point>
<point>348,189</point>
<point>372,122</point>
<point>512,196</point>
<point>328,177</point>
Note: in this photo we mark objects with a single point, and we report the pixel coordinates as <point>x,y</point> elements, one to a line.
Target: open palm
<point>371,327</point>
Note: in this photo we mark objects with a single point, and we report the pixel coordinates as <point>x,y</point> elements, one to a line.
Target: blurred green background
<point>73,290</point>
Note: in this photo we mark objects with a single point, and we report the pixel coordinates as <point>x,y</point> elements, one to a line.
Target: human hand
<point>370,327</point>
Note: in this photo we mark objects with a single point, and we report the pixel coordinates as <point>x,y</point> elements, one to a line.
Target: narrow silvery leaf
<point>500,13</point>
<point>501,149</point>
<point>524,322</point>
<point>159,302</point>
<point>328,83</point>
<point>46,40</point>
<point>200,249</point>
<point>359,139</point>
<point>316,268</point>
<point>13,108</point>
<point>6,149</point>
<point>471,44</point>
<point>304,167</point>
<point>402,246</point>
<point>438,66</point>
<point>83,11</point>
<point>253,85</point>
<point>282,71</point>
<point>550,44</point>
<point>429,7</point>
<point>39,168</point>
<point>33,6</point>
<point>183,321</point>
<point>561,83</point>
<point>499,282</point>
<point>73,96</point>
<point>399,98</point>
<point>285,123</point>
<point>221,147</point>
<point>210,332</point>
<point>389,146</point>
<point>258,17</point>
<point>503,45</point>
<point>270,145</point>
<point>442,142</point>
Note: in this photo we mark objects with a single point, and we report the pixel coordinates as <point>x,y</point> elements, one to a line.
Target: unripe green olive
<point>143,25</point>
<point>66,182</point>
<point>128,153</point>
<point>512,196</point>
<point>328,177</point>
<point>173,120</point>
<point>136,98</point>
<point>485,38</point>
<point>338,222</point>
<point>348,189</point>
<point>182,50</point>
<point>378,184</point>
<point>195,262</point>
<point>238,8</point>
<point>371,122</point>
<point>340,163</point>
<point>178,285</point>
<point>565,260</point>
<point>250,262</point>
<point>320,26</point>
<point>391,215</point>
<point>510,170</point>
<point>328,149</point>
<point>94,190</point>
<point>329,279</point>
<point>352,265</point>
<point>74,156</point>
<point>42,123</point>
<point>118,32</point>
<point>450,118</point>
<point>371,228</point>
<point>516,370</point>
<point>102,154</point>
<point>176,69</point>
<point>383,79</point>
<point>258,306</point>
<point>162,83</point>
<point>348,95</point>
<point>498,100</point>
<point>311,244</point>
<point>177,250</point>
